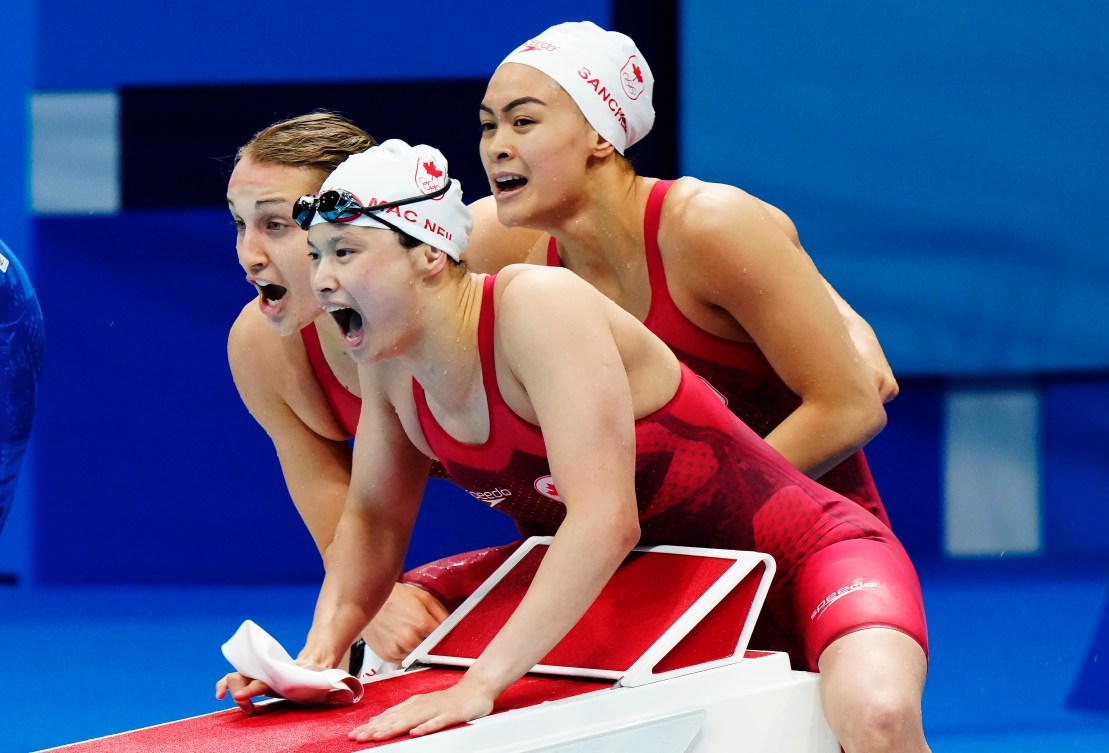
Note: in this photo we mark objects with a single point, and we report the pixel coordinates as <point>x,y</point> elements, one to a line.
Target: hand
<point>242,690</point>
<point>409,616</point>
<point>430,712</point>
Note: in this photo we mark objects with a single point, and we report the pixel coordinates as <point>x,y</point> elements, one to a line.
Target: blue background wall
<point>947,172</point>
<point>946,161</point>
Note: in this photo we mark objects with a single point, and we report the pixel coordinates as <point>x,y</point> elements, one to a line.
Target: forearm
<point>363,563</point>
<point>581,559</point>
<point>815,439</point>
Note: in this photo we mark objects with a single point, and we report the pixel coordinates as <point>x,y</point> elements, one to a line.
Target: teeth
<point>272,301</point>
<point>333,309</point>
<point>261,284</point>
<point>506,178</point>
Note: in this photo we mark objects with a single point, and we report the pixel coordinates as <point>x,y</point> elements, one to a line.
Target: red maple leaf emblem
<point>638,73</point>
<point>432,170</point>
<point>551,489</point>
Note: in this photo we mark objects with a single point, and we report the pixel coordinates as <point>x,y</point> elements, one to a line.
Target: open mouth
<point>270,292</point>
<point>508,183</point>
<point>350,323</point>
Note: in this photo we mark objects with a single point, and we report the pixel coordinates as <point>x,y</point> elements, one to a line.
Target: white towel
<point>255,653</point>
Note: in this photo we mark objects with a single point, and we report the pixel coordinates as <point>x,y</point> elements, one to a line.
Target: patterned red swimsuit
<point>703,478</point>
<point>738,370</point>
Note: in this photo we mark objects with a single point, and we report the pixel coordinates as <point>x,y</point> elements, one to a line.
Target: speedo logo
<point>537,44</point>
<point>494,497</point>
<point>856,585</point>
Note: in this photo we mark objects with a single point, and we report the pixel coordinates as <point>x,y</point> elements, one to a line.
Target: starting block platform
<point>658,664</point>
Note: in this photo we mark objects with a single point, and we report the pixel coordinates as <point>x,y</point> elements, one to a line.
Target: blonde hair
<point>320,141</point>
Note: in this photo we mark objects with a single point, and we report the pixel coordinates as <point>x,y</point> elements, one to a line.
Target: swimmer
<point>467,369</point>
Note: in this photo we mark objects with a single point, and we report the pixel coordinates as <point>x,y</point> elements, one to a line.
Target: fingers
<point>409,616</point>
<point>242,690</point>
<point>433,606</point>
<point>424,714</point>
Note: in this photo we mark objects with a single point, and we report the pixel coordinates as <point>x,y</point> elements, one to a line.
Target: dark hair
<point>407,240</point>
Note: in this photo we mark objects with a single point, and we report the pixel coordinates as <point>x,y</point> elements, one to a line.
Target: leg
<point>871,685</point>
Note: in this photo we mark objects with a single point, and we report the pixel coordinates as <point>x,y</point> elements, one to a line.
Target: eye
<point>343,252</point>
<point>275,227</point>
<point>314,255</point>
<point>488,125</point>
<point>520,121</point>
<point>240,226</point>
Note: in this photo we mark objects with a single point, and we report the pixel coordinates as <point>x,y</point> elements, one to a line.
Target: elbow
<point>852,422</point>
<point>867,420</point>
<point>626,532</point>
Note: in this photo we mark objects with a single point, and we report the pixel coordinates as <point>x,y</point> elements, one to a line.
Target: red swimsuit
<point>703,478</point>
<point>738,370</point>
<point>345,406</point>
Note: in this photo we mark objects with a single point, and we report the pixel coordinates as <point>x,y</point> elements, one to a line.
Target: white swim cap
<point>602,71</point>
<point>395,172</point>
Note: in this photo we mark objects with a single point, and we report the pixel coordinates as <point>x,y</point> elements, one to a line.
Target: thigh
<point>853,585</point>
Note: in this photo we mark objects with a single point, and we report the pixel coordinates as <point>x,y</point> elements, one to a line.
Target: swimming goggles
<point>343,206</point>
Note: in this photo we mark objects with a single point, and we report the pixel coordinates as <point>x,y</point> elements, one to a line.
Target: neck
<point>607,231</point>
<point>443,356</point>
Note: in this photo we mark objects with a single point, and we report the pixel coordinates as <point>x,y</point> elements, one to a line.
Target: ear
<point>601,148</point>
<point>431,261</point>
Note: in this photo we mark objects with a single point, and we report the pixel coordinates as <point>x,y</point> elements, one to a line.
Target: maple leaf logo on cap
<point>631,78</point>
<point>432,170</point>
<point>429,176</point>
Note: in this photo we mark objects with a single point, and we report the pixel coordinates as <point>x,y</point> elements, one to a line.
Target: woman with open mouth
<point>534,384</point>
<point>287,355</point>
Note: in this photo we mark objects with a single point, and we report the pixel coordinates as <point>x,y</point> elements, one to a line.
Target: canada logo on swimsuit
<point>631,77</point>
<point>430,177</point>
<point>545,485</point>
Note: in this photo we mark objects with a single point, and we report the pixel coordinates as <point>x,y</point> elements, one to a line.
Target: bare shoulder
<point>530,286</point>
<point>493,246</point>
<point>253,348</point>
<point>707,220</point>
<point>266,366</point>
<point>692,205</point>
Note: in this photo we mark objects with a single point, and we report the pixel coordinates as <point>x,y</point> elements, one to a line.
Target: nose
<point>498,145</point>
<point>252,253</point>
<point>324,281</point>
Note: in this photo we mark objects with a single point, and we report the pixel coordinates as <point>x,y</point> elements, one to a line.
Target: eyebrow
<point>514,104</point>
<point>333,240</point>
<point>261,202</point>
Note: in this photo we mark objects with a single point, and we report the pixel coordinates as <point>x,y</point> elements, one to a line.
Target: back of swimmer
<point>22,348</point>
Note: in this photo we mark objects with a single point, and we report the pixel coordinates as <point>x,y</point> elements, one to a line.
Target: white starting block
<point>658,664</point>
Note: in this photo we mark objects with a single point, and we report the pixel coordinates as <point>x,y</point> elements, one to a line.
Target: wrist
<point>317,655</point>
<point>482,680</point>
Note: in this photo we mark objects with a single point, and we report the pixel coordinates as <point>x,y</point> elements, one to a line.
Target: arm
<point>315,462</point>
<point>742,265</point>
<point>866,342</point>
<point>588,425</point>
<point>365,558</point>
<point>324,526</point>
<point>492,245</point>
<point>862,334</point>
